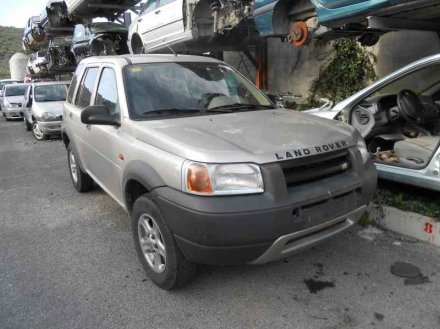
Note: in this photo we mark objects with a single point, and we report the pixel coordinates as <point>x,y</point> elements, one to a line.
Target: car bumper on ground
<point>11,113</point>
<point>257,229</point>
<point>50,127</point>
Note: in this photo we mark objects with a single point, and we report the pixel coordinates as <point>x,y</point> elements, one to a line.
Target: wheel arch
<point>287,10</point>
<point>139,178</point>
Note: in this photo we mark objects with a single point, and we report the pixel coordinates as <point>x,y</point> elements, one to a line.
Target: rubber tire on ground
<point>84,182</point>
<point>44,136</point>
<point>7,119</point>
<point>27,125</point>
<point>178,270</point>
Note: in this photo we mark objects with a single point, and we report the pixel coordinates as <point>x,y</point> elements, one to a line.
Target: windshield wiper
<point>238,106</point>
<point>171,110</point>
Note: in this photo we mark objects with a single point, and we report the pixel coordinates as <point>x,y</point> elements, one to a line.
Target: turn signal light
<point>198,179</point>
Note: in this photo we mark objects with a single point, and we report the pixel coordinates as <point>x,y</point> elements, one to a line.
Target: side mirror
<point>99,115</point>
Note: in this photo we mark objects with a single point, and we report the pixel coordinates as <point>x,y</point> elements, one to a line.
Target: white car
<point>399,117</point>
<point>189,24</point>
<point>13,97</point>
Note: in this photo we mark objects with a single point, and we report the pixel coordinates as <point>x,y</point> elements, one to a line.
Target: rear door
<point>170,13</point>
<point>149,22</point>
<point>73,108</point>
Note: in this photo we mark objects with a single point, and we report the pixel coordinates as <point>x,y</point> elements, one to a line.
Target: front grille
<point>316,167</point>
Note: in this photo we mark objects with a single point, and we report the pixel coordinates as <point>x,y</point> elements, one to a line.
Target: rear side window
<point>74,83</point>
<point>165,2</point>
<point>149,6</point>
<point>107,93</point>
<point>85,90</point>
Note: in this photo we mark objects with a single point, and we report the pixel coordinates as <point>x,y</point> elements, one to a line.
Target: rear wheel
<point>157,249</point>
<point>80,180</point>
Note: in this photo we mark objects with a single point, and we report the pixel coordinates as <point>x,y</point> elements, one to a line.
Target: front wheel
<point>81,181</point>
<point>157,249</point>
<point>38,134</point>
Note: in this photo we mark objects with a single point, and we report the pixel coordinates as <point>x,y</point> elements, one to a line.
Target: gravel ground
<point>67,260</point>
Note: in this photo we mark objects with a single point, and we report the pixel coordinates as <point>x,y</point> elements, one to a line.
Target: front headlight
<point>222,179</point>
<point>362,147</point>
<point>48,116</point>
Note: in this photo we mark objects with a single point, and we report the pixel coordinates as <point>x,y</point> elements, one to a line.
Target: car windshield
<point>15,91</point>
<point>50,93</point>
<point>170,89</point>
<point>418,81</point>
<point>4,83</point>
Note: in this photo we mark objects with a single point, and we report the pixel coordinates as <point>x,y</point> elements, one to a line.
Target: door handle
<point>70,115</point>
<point>88,127</point>
<point>140,19</point>
<point>157,12</point>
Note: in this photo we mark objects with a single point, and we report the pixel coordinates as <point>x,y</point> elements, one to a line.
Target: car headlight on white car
<point>48,116</point>
<point>362,147</point>
<point>222,179</point>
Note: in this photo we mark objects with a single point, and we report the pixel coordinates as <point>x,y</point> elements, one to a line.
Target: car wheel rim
<point>73,167</point>
<point>152,244</point>
<point>37,132</point>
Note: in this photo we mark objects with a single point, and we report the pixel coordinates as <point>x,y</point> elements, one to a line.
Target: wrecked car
<point>298,20</point>
<point>34,36</point>
<point>399,117</point>
<point>186,25</point>
<point>110,9</point>
<point>99,39</point>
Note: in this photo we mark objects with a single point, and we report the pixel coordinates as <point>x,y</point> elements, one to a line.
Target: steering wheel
<point>411,108</point>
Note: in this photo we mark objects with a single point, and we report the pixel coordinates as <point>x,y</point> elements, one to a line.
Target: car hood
<point>53,107</point>
<point>258,136</point>
<point>14,99</point>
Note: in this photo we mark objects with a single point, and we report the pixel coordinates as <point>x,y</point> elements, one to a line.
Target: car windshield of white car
<point>50,93</point>
<point>176,89</point>
<point>15,91</point>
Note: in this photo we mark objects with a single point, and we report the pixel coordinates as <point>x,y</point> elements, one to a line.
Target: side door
<point>149,23</point>
<point>170,13</point>
<point>27,104</point>
<point>73,108</point>
<point>104,141</point>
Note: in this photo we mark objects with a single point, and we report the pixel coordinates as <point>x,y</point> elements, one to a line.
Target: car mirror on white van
<point>99,115</point>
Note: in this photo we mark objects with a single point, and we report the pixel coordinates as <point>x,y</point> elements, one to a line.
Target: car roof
<point>123,60</point>
<point>16,85</point>
<point>48,83</point>
<point>10,80</point>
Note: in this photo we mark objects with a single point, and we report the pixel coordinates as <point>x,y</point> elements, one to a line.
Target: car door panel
<point>171,18</point>
<point>104,162</point>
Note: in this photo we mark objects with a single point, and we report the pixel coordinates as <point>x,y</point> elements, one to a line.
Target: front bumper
<point>50,127</point>
<point>266,227</point>
<point>13,112</point>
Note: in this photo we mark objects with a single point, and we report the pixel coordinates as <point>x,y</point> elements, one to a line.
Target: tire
<point>80,180</point>
<point>166,266</point>
<point>7,119</point>
<point>38,134</point>
<point>27,125</point>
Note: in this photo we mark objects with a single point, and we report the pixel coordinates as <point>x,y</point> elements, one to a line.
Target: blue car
<point>295,19</point>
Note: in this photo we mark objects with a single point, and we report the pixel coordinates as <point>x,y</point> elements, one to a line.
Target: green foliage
<point>349,69</point>
<point>10,43</point>
<point>366,221</point>
<point>408,201</point>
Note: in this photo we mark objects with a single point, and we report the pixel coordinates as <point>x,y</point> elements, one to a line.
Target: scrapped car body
<point>399,117</point>
<point>298,20</point>
<point>191,25</point>
<point>209,169</point>
<point>43,108</point>
<point>34,36</point>
<point>13,97</point>
<point>110,9</point>
<point>103,39</point>
<point>37,63</point>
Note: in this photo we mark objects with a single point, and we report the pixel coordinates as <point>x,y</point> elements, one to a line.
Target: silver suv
<point>43,108</point>
<point>209,170</point>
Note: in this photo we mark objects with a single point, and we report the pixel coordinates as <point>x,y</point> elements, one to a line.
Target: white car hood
<point>52,107</point>
<point>14,99</point>
<point>257,136</point>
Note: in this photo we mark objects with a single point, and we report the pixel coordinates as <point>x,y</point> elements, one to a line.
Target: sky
<point>17,12</point>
